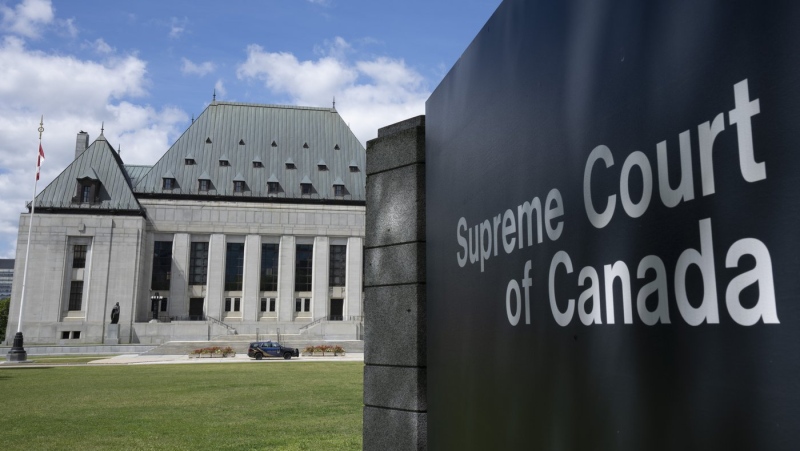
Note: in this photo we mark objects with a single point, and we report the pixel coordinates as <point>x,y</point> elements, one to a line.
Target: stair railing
<point>231,329</point>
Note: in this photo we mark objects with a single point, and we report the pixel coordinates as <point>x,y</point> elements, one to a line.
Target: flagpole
<point>17,352</point>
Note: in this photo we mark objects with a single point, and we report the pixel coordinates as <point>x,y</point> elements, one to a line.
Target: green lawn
<point>276,406</point>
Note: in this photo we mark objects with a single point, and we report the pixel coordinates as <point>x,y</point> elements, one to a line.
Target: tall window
<point>198,264</point>
<point>86,194</point>
<point>337,265</point>
<point>269,267</point>
<point>88,191</point>
<point>303,265</point>
<point>79,256</point>
<point>234,266</point>
<point>162,265</point>
<point>75,294</point>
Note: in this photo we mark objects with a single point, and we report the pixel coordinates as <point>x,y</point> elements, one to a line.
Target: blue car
<point>260,349</point>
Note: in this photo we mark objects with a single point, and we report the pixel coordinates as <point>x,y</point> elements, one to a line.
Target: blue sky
<point>145,67</point>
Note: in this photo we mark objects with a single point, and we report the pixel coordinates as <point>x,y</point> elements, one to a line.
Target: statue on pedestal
<point>115,314</point>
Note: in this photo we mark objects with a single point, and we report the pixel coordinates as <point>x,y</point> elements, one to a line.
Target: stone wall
<point>119,269</point>
<point>110,275</point>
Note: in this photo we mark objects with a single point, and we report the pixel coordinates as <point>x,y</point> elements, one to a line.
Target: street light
<point>155,302</point>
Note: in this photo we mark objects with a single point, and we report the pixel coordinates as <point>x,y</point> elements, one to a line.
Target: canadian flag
<point>39,161</point>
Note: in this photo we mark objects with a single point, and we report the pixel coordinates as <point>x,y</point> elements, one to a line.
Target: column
<point>354,276</point>
<point>146,272</point>
<point>177,302</point>
<point>216,275</point>
<point>394,299</point>
<point>95,279</point>
<point>319,277</point>
<point>251,281</point>
<point>286,259</point>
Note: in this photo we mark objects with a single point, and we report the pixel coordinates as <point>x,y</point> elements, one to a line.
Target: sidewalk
<point>136,359</point>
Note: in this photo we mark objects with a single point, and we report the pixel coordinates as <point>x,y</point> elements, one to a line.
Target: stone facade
<point>187,265</point>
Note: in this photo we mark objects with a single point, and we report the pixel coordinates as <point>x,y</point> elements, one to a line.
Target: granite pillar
<point>395,372</point>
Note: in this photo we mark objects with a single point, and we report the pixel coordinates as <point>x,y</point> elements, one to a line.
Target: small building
<point>252,222</point>
<point>6,277</point>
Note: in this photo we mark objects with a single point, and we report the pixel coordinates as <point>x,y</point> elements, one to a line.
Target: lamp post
<point>155,302</point>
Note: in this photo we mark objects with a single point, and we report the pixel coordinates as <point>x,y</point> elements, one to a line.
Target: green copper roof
<point>274,135</point>
<point>135,172</point>
<point>101,163</point>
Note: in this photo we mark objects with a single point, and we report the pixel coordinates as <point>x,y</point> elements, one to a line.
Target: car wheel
<point>259,356</point>
<point>287,355</point>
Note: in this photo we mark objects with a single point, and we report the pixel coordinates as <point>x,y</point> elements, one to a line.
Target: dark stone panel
<point>400,149</point>
<point>386,429</point>
<point>396,206</point>
<point>393,265</point>
<point>418,121</point>
<point>395,387</point>
<point>395,325</point>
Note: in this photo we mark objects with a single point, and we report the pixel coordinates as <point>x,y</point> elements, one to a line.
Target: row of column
<point>179,292</point>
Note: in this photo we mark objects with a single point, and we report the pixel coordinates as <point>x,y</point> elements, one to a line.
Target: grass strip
<point>65,359</point>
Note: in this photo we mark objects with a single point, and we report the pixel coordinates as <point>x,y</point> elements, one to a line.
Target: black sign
<point>613,218</point>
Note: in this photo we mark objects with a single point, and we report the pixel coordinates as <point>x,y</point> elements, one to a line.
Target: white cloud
<point>143,132</point>
<point>204,68</point>
<point>338,49</point>
<point>219,89</point>
<point>27,17</point>
<point>73,95</point>
<point>100,46</point>
<point>369,93</point>
<point>177,27</point>
<point>305,81</point>
<point>36,80</point>
<point>69,27</point>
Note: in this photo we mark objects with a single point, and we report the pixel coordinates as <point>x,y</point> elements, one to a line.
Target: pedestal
<point>112,334</point>
<point>17,352</point>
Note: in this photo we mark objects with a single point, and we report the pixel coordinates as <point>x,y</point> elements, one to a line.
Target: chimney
<point>81,143</point>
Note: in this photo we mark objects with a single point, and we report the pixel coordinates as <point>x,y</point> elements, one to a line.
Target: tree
<point>4,306</point>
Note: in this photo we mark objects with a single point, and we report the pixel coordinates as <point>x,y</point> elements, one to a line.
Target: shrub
<point>213,351</point>
<point>323,349</point>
